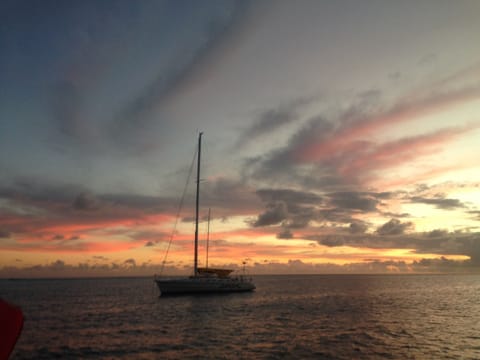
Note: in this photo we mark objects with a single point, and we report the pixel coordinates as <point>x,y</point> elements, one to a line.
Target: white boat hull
<point>197,285</point>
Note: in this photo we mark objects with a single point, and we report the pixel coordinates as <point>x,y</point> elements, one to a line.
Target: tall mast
<point>208,236</point>
<point>195,264</point>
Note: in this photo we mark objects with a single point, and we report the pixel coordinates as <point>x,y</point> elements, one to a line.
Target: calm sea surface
<point>322,317</point>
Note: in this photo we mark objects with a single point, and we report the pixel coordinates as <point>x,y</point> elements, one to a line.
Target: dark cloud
<point>69,205</point>
<point>476,213</point>
<point>285,234</point>
<point>77,208</point>
<point>276,213</point>
<point>228,197</point>
<point>152,236</point>
<point>283,163</point>
<point>441,203</point>
<point>140,202</point>
<point>358,227</point>
<point>300,208</point>
<point>395,215</point>
<point>280,165</point>
<point>292,208</point>
<point>342,237</point>
<point>456,243</point>
<point>317,130</point>
<point>35,191</point>
<point>300,217</point>
<point>392,236</point>
<point>354,201</point>
<point>86,202</point>
<point>330,153</point>
<point>437,232</point>
<point>4,234</point>
<point>272,119</point>
<point>336,215</point>
<point>394,227</point>
<point>289,196</point>
<point>332,240</point>
<point>58,197</point>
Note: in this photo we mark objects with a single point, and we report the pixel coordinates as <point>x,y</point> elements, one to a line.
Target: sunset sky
<point>339,136</point>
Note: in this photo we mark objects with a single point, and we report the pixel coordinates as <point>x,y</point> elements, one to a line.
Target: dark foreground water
<point>322,317</point>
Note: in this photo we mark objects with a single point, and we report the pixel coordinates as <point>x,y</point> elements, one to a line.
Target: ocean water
<point>287,317</point>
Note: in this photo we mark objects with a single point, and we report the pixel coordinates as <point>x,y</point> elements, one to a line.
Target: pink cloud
<point>401,151</point>
<point>345,137</point>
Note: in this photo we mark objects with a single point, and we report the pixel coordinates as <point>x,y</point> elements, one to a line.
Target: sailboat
<point>204,279</point>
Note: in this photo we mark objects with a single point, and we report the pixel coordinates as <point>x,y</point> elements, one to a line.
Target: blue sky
<point>324,121</point>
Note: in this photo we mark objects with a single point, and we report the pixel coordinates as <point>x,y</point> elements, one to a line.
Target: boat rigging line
<point>180,206</point>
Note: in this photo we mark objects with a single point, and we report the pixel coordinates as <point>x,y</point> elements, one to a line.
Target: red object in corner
<point>11,322</point>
